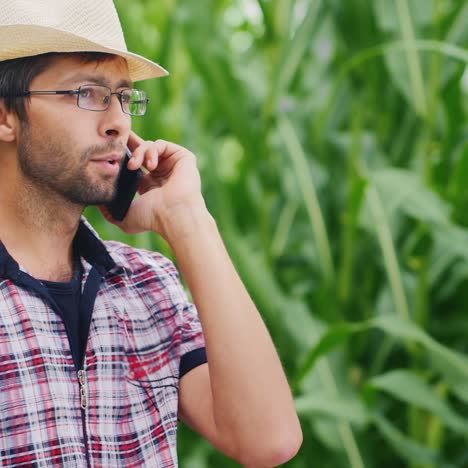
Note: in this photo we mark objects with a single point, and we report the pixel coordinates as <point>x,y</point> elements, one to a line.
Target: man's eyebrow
<point>94,79</point>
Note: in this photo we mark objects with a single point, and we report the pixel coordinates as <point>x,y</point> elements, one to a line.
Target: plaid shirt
<point>119,408</point>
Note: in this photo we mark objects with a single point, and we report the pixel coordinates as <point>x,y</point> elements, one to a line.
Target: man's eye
<point>85,92</point>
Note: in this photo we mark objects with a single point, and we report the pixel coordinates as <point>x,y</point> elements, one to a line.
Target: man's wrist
<point>185,221</point>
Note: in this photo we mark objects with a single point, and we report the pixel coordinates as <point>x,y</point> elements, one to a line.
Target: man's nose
<point>115,121</point>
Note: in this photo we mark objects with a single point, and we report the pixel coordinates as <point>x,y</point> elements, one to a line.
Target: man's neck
<point>38,233</point>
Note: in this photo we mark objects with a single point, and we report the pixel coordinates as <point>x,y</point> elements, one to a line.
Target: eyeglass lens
<point>97,97</point>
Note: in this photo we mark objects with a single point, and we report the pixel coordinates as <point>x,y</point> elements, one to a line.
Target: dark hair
<point>16,75</point>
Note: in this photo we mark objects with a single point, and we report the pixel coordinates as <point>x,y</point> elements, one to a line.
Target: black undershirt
<point>68,298</point>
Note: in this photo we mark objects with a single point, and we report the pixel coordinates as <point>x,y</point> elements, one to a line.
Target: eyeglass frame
<point>77,91</point>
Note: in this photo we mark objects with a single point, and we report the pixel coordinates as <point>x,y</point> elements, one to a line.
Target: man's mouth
<point>113,158</point>
<point>111,162</point>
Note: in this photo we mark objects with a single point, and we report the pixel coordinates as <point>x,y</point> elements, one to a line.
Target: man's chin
<point>89,190</point>
<point>91,197</point>
<point>101,192</point>
<point>100,200</point>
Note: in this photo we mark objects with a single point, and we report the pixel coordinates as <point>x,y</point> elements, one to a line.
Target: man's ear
<point>8,124</point>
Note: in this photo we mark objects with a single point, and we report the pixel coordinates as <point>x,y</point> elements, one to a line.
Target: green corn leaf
<point>296,47</point>
<point>387,14</point>
<point>335,336</point>
<point>398,18</point>
<point>360,59</point>
<point>451,364</point>
<point>458,32</point>
<point>408,449</point>
<point>413,60</point>
<point>387,246</point>
<point>301,168</point>
<point>341,409</point>
<point>461,391</point>
<point>406,386</point>
<point>402,191</point>
<point>449,249</point>
<point>267,12</point>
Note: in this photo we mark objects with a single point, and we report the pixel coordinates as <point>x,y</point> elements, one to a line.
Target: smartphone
<point>127,186</point>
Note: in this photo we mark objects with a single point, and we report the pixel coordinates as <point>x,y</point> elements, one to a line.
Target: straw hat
<point>33,27</point>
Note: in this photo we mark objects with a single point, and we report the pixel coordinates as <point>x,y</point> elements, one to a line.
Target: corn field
<point>332,140</point>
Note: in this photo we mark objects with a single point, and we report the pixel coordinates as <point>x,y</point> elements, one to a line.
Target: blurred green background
<point>333,144</point>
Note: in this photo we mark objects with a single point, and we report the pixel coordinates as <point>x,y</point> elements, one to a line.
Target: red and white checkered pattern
<point>142,324</point>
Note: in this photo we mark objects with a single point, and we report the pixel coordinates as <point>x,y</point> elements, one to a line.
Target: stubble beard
<point>53,168</point>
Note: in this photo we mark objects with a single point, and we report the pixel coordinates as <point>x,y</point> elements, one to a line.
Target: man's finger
<point>134,141</point>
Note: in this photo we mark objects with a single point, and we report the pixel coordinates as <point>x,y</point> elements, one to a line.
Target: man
<point>100,351</point>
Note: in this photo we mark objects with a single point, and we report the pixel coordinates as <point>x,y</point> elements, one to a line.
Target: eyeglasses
<point>97,98</point>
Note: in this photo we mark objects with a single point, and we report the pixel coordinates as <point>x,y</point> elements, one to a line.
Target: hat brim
<point>29,40</point>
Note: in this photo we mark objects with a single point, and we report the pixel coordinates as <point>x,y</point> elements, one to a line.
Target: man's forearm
<point>251,397</point>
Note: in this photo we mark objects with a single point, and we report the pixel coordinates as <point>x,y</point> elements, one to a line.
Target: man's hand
<point>172,183</point>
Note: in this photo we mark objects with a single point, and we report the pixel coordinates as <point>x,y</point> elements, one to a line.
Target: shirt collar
<point>86,243</point>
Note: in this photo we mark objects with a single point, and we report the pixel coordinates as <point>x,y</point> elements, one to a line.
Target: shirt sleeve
<point>191,340</point>
<point>177,342</point>
<point>193,352</point>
